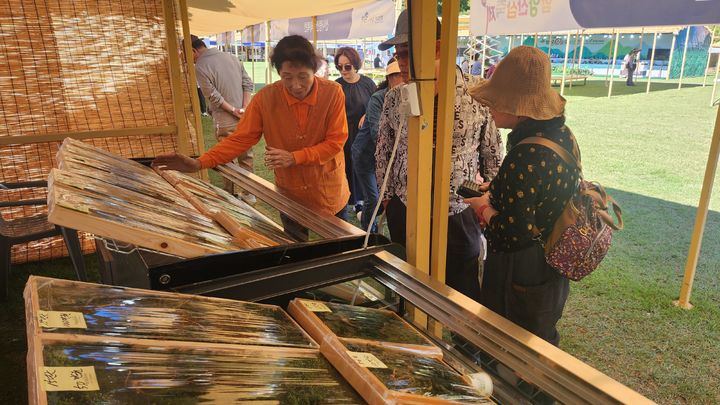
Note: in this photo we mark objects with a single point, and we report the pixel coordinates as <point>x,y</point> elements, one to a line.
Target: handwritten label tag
<point>366,359</point>
<point>60,319</point>
<point>316,306</point>
<point>69,379</point>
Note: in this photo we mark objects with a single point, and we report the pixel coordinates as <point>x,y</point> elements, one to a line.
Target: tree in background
<point>464,7</point>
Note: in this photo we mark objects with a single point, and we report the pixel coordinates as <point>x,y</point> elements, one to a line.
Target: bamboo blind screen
<point>93,69</point>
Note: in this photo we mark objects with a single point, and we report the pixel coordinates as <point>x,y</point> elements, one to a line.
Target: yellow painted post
<point>187,46</point>
<point>612,72</point>
<point>567,48</point>
<point>672,49</point>
<point>314,31</point>
<point>420,136</point>
<point>183,138</point>
<point>607,71</point>
<point>717,69</point>
<point>682,64</point>
<point>443,138</point>
<point>252,52</point>
<point>268,68</point>
<point>652,61</point>
<point>707,65</point>
<point>700,218</point>
<point>482,58</point>
<point>575,49</point>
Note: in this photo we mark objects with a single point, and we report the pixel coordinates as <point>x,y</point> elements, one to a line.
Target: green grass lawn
<point>650,152</point>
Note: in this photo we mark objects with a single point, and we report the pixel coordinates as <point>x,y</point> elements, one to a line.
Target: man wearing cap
<point>363,148</point>
<point>227,86</point>
<point>476,149</point>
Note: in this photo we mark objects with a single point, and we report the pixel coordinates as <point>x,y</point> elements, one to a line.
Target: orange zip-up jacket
<point>313,129</point>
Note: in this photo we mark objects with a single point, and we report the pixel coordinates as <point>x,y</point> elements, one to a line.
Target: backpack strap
<point>562,152</point>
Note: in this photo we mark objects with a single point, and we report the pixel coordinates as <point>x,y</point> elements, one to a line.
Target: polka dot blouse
<point>532,187</point>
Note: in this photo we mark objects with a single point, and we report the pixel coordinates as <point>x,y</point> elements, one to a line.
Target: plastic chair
<point>27,229</point>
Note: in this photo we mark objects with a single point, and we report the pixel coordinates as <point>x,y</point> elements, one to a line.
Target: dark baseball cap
<point>402,31</point>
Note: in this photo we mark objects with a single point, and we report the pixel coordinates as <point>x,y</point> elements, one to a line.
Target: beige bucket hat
<point>521,86</point>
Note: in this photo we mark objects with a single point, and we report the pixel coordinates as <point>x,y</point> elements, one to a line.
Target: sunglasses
<point>346,67</point>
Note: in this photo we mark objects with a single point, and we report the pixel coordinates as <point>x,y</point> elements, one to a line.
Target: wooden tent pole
<point>535,40</point>
<point>652,61</point>
<point>314,31</point>
<point>183,137</point>
<point>672,49</point>
<point>194,97</point>
<point>252,52</point>
<point>574,58</point>
<point>685,48</point>
<point>550,45</point>
<point>700,217</point>
<point>614,58</point>
<point>268,68</point>
<point>510,43</point>
<point>482,58</point>
<point>612,39</point>
<point>717,70</point>
<point>420,136</point>
<point>444,138</point>
<point>707,65</point>
<point>565,60</point>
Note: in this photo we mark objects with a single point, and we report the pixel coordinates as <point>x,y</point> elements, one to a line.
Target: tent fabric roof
<point>213,16</point>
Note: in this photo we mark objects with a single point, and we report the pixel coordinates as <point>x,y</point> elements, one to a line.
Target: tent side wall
<point>86,69</point>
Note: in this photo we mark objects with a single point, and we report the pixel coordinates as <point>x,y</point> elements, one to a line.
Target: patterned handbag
<point>582,234</point>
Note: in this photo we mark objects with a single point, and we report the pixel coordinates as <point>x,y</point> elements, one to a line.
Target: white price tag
<point>61,319</point>
<point>366,359</point>
<point>69,379</point>
<point>316,306</point>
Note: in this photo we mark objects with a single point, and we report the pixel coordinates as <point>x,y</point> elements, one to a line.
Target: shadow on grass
<point>599,87</point>
<point>621,319</point>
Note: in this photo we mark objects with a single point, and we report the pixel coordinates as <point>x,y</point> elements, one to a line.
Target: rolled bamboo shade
<point>81,66</point>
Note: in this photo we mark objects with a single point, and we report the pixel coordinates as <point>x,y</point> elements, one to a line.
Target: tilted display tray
<point>360,324</point>
<point>128,313</point>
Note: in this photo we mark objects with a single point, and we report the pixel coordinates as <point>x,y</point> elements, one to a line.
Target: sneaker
<point>248,198</point>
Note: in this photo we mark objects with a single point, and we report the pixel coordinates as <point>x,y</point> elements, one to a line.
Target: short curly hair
<point>294,49</point>
<point>349,53</point>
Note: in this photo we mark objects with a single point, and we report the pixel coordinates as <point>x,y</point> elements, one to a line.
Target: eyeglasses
<point>346,67</point>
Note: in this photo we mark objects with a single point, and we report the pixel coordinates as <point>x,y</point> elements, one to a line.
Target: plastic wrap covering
<point>100,192</point>
<point>143,314</point>
<point>156,375</point>
<point>359,324</point>
<point>71,67</point>
<point>383,375</point>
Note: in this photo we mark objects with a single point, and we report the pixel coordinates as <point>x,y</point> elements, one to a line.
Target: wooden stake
<point>535,40</point>
<point>575,49</point>
<point>195,102</point>
<point>717,69</point>
<point>685,48</point>
<point>612,73</point>
<point>314,31</point>
<point>607,72</point>
<point>652,61</point>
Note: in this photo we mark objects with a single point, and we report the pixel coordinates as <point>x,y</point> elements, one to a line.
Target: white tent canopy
<point>501,17</point>
<point>210,17</point>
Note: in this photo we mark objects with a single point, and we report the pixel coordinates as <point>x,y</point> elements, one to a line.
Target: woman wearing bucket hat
<point>530,190</point>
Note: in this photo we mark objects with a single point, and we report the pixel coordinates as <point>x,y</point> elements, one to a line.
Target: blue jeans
<point>367,184</point>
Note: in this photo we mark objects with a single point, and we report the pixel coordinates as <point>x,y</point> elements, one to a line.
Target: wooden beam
<point>707,65</point>
<point>444,139</point>
<point>672,48</point>
<point>268,68</point>
<point>314,31</point>
<point>183,137</point>
<point>420,135</point>
<point>701,217</point>
<point>717,70</point>
<point>107,133</point>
